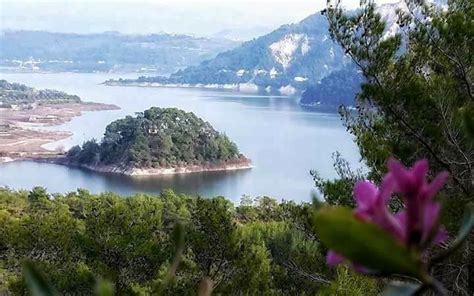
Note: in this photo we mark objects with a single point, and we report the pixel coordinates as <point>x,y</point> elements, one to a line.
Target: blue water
<point>284,140</point>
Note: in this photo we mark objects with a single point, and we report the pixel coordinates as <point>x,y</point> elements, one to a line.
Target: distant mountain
<point>242,33</point>
<point>107,52</point>
<point>286,60</point>
<point>296,58</point>
<point>342,85</point>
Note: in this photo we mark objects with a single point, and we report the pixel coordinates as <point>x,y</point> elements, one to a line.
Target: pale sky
<point>197,17</point>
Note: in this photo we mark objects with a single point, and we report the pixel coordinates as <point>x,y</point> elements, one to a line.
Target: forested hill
<point>339,87</point>
<point>292,59</point>
<point>293,56</point>
<point>18,94</point>
<point>156,138</point>
<point>106,52</point>
<point>252,249</point>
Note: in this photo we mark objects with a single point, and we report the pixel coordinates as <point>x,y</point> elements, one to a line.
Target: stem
<point>433,284</point>
<point>439,288</point>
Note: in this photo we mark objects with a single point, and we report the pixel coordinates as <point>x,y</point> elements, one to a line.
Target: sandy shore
<point>238,164</point>
<point>20,130</point>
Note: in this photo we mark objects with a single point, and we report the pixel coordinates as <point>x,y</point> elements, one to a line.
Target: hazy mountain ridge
<point>287,60</point>
<point>242,34</point>
<point>106,52</point>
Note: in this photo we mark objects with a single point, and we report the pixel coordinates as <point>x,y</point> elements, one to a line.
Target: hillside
<point>339,87</point>
<point>12,94</point>
<point>289,60</point>
<point>105,52</point>
<point>159,139</point>
<point>286,60</point>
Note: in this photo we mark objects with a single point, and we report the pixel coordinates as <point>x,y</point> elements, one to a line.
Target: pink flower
<point>334,258</point>
<point>414,226</point>
<point>420,218</point>
<point>372,205</point>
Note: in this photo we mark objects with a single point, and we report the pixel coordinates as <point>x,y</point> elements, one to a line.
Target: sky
<point>195,17</point>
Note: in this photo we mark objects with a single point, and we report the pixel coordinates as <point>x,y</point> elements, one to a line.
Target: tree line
<point>20,94</point>
<point>260,246</point>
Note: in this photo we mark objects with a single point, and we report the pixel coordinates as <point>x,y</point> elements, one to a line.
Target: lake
<point>283,139</point>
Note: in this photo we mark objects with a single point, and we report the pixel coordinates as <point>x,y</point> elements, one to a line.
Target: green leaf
<point>35,282</point>
<point>464,231</point>
<point>364,243</point>
<point>467,113</point>
<point>104,288</point>
<point>401,289</point>
<point>178,240</point>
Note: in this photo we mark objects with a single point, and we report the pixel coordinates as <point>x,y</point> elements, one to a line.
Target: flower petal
<point>365,194</point>
<point>387,187</point>
<point>436,185</point>
<point>363,214</point>
<point>333,258</point>
<point>430,218</point>
<point>361,269</point>
<point>401,218</point>
<point>419,171</point>
<point>401,175</point>
<point>441,236</point>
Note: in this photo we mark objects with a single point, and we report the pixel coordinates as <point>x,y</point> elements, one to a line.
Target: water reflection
<point>57,178</point>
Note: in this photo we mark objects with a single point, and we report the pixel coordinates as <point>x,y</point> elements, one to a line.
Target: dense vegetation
<point>338,88</point>
<point>76,239</point>
<point>265,61</point>
<point>417,103</point>
<point>19,94</point>
<point>157,138</point>
<point>105,52</point>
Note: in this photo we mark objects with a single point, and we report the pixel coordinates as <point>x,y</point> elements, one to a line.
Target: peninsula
<point>25,111</point>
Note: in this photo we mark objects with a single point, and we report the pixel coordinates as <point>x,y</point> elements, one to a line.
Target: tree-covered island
<point>159,141</point>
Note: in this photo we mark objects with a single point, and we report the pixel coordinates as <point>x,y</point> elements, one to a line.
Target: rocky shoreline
<point>239,164</point>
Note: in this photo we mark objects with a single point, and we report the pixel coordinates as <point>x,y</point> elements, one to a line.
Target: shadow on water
<point>208,184</point>
<point>57,179</point>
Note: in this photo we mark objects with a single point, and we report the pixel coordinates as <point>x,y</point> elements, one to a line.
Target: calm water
<point>283,139</point>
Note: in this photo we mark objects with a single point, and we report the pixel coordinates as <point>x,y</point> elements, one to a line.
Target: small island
<point>158,141</point>
<point>25,110</point>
